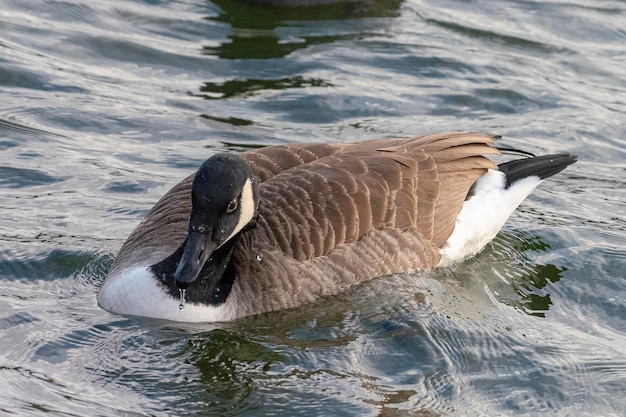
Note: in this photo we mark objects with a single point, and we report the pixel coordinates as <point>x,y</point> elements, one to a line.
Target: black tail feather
<point>505,150</point>
<point>542,166</point>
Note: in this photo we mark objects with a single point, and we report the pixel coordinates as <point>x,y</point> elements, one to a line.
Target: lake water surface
<point>105,105</point>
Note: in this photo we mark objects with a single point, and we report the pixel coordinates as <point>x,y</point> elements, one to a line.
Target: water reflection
<point>532,299</point>
<point>301,355</point>
<point>247,87</point>
<point>230,365</point>
<point>239,364</point>
<point>271,37</point>
<point>508,269</point>
<point>255,33</point>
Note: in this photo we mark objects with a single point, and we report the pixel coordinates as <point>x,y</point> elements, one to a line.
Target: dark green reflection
<point>509,267</point>
<point>529,281</point>
<point>231,365</point>
<point>254,25</point>
<point>533,302</point>
<point>246,87</point>
<point>255,15</point>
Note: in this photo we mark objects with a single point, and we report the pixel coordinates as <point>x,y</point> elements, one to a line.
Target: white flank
<point>135,292</point>
<point>483,215</point>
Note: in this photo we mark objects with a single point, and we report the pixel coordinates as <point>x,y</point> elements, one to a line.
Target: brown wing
<point>161,232</point>
<point>368,209</point>
<point>312,207</point>
<point>269,161</point>
<point>347,189</point>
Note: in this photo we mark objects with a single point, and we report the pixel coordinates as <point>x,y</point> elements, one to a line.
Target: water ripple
<point>12,177</point>
<point>492,36</point>
<point>106,105</point>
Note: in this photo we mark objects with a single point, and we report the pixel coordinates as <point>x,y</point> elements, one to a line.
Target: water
<point>105,105</point>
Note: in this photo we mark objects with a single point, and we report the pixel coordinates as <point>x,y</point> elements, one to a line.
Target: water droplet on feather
<point>183,295</point>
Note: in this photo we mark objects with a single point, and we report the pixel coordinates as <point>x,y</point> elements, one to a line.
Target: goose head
<point>224,202</point>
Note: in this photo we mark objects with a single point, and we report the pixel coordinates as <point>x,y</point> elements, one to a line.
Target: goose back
<point>330,216</point>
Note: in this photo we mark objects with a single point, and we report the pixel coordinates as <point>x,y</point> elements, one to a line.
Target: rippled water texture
<point>105,105</point>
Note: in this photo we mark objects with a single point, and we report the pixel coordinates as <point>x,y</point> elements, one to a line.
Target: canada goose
<point>281,226</point>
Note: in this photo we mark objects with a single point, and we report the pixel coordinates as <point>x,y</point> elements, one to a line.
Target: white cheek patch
<point>246,209</point>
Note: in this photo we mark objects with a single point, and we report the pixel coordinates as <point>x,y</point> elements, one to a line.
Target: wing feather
<point>382,183</point>
<point>315,197</point>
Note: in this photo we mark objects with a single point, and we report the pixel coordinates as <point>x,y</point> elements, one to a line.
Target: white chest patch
<point>135,292</point>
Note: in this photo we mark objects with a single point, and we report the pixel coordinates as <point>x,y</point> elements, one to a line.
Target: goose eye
<point>232,206</point>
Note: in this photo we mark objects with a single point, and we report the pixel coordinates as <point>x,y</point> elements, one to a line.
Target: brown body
<point>330,216</point>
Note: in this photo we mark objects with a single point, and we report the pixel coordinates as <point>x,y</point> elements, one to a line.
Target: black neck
<point>214,283</point>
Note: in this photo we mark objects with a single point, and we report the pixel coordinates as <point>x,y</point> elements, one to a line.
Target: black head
<point>224,198</point>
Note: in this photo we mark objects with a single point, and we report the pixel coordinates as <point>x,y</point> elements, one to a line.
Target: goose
<point>282,226</point>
